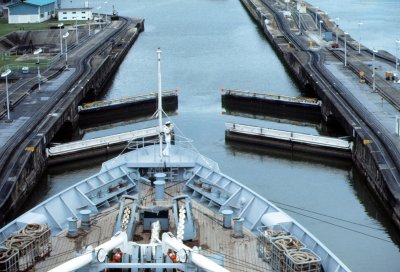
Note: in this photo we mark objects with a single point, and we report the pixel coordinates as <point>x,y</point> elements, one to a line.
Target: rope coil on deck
<point>303,260</point>
<point>34,230</point>
<point>288,243</point>
<point>25,247</point>
<point>276,233</point>
<point>19,241</point>
<point>302,256</point>
<point>6,253</point>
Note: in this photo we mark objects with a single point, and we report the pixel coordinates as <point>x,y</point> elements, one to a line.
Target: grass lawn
<point>6,28</point>
<point>17,62</point>
<point>13,61</point>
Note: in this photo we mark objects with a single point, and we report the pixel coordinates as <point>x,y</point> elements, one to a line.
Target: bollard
<point>159,186</point>
<point>238,227</point>
<point>72,227</point>
<point>85,217</point>
<point>227,217</point>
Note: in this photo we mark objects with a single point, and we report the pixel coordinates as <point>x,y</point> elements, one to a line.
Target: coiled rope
<point>302,256</point>
<point>275,233</point>
<point>288,243</point>
<point>19,241</point>
<point>6,253</point>
<point>34,230</point>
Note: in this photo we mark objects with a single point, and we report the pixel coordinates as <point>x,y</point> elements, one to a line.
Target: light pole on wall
<point>6,74</point>
<point>345,48</point>
<point>60,26</point>
<point>37,52</point>
<point>359,40</point>
<point>76,30</point>
<point>373,67</point>
<point>65,36</point>
<point>337,29</point>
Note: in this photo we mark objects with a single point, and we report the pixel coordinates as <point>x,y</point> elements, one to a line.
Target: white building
<point>74,14</point>
<point>30,11</point>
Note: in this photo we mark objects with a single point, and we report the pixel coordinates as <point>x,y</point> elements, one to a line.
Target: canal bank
<point>91,70</point>
<point>368,153</point>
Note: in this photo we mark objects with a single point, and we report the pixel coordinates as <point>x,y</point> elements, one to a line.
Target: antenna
<point>160,111</point>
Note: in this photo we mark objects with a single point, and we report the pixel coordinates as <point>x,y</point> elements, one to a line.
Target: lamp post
<point>65,36</point>
<point>5,74</point>
<point>300,22</point>
<point>359,40</point>
<point>37,52</point>
<point>98,13</point>
<point>105,4</point>
<point>316,16</point>
<point>397,55</point>
<point>345,48</point>
<point>373,68</point>
<point>60,26</point>
<point>337,29</point>
<point>76,30</point>
<point>320,28</point>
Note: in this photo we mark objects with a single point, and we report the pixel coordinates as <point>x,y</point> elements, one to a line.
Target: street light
<point>316,16</point>
<point>98,13</point>
<point>60,26</point>
<point>337,29</point>
<point>37,52</point>
<point>373,68</point>
<point>359,40</point>
<point>345,48</point>
<point>5,74</point>
<point>320,28</point>
<point>65,36</point>
<point>105,4</point>
<point>76,29</point>
<point>397,54</point>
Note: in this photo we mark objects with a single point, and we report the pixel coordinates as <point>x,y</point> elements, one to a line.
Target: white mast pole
<point>159,102</point>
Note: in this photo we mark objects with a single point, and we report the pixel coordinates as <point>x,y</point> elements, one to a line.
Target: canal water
<point>208,45</point>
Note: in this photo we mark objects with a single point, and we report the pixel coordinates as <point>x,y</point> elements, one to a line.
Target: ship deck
<point>238,254</point>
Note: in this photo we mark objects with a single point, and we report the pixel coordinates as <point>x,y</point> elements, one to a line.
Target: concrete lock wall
<point>379,178</point>
<point>32,160</point>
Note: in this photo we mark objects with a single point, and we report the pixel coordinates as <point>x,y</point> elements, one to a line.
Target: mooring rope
<point>288,243</point>
<point>302,256</point>
<point>6,253</point>
<point>275,233</point>
<point>34,230</point>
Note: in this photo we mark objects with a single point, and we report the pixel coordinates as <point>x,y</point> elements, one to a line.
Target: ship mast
<point>159,111</point>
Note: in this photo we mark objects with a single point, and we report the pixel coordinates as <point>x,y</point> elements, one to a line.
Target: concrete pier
<point>292,141</point>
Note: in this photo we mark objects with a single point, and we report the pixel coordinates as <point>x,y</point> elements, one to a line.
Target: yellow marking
<point>30,148</point>
<point>367,142</point>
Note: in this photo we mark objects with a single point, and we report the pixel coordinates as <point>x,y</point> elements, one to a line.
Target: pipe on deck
<point>118,240</point>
